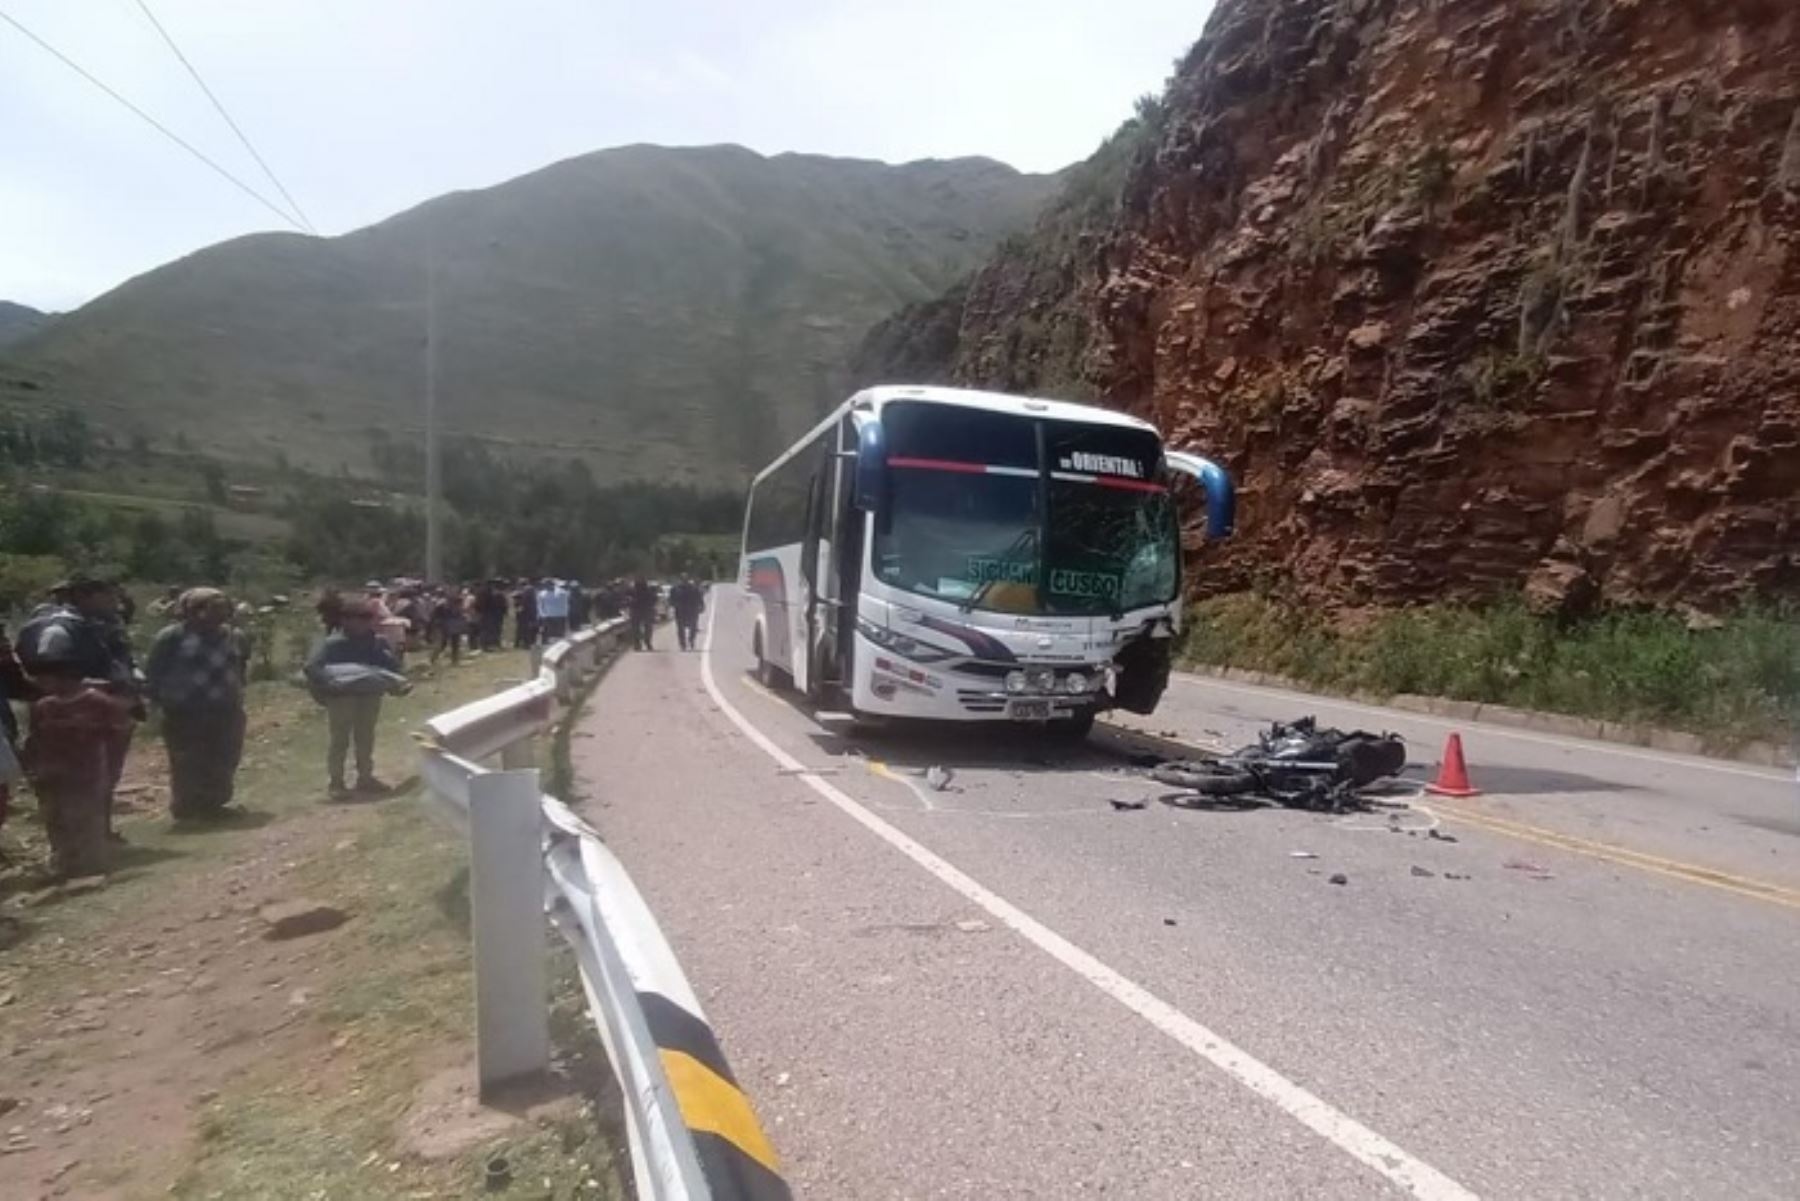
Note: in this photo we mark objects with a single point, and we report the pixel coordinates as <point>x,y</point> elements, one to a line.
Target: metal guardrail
<point>693,1132</point>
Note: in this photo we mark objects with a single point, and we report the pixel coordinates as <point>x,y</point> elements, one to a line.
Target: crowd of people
<point>440,620</point>
<point>74,666</point>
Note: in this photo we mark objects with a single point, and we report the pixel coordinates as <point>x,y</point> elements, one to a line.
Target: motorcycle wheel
<point>1208,777</point>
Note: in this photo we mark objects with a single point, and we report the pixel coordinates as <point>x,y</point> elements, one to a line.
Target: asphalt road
<point>1587,985</point>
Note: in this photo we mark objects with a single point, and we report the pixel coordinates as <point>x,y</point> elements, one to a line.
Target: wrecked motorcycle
<point>1295,764</point>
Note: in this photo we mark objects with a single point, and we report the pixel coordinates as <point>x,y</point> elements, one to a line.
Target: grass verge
<point>1732,684</point>
<point>304,1065</point>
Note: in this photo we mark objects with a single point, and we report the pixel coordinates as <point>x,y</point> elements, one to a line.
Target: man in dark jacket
<point>578,606</point>
<point>643,614</point>
<point>352,699</point>
<point>688,602</point>
<point>525,616</point>
<point>490,607</point>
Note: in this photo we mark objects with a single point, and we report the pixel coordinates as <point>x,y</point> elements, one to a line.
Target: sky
<point>364,108</point>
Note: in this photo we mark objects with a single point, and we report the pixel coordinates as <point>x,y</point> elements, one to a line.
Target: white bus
<point>966,556</point>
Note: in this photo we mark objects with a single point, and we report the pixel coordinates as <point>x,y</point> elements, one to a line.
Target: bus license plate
<point>1028,710</point>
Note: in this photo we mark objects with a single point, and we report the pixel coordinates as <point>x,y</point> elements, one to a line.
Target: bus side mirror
<point>871,467</point>
<point>1221,493</point>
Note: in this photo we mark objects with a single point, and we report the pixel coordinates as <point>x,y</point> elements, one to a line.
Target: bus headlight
<point>1043,679</point>
<point>1075,681</point>
<point>1015,681</point>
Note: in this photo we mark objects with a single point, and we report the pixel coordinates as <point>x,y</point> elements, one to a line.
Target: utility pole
<point>434,541</point>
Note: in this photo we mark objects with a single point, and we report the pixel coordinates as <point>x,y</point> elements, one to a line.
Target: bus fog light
<point>1015,681</point>
<point>1043,680</point>
<point>1075,681</point>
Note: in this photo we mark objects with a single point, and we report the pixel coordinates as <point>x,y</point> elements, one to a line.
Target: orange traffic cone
<point>1453,773</point>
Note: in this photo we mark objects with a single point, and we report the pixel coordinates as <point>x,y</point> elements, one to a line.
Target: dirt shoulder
<point>155,1041</point>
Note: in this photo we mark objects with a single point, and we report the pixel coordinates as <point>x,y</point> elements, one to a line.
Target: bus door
<point>846,549</point>
<point>815,566</point>
<point>829,618</point>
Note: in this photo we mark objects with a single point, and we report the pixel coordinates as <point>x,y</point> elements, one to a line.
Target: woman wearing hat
<point>196,677</point>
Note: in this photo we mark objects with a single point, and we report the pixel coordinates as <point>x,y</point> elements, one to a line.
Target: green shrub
<point>1734,683</point>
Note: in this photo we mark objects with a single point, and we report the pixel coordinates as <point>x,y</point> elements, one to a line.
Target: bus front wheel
<point>1074,728</point>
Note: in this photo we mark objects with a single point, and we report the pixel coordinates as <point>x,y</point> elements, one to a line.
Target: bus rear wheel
<point>765,670</point>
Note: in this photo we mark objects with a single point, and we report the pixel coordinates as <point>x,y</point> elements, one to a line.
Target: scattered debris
<point>1339,878</point>
<point>1301,855</point>
<point>1423,873</point>
<point>1454,876</point>
<point>1439,835</point>
<point>1168,921</point>
<point>972,926</point>
<point>1530,869</point>
<point>782,1079</point>
<point>299,918</point>
<point>1126,806</point>
<point>939,777</point>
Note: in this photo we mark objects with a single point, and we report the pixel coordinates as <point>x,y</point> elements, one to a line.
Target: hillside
<point>18,322</point>
<point>660,313</point>
<point>1472,296</point>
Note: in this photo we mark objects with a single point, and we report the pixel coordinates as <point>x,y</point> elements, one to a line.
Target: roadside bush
<point>1734,683</point>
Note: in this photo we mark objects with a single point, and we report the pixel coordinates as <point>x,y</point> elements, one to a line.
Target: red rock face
<point>1472,295</point>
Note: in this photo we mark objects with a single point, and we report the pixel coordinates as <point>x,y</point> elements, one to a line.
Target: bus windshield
<point>1109,550</point>
<point>972,518</point>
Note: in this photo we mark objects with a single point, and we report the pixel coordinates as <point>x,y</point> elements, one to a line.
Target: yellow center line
<point>1692,873</point>
<point>1674,869</point>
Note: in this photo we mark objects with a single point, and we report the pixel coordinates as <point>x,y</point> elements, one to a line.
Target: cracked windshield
<point>596,602</point>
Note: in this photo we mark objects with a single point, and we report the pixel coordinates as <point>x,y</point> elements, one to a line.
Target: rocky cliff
<point>1472,295</point>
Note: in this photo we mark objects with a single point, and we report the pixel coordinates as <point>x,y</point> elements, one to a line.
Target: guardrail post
<point>506,901</point>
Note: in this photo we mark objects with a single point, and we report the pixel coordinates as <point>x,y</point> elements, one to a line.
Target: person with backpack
<point>82,632</point>
<point>67,754</point>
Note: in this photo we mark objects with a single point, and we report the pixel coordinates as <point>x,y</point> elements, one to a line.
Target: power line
<point>217,104</point>
<point>241,186</point>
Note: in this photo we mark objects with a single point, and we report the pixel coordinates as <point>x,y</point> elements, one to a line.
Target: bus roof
<point>873,400</point>
<point>999,402</point>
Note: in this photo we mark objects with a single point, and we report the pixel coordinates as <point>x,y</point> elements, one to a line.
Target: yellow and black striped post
<point>735,1155</point>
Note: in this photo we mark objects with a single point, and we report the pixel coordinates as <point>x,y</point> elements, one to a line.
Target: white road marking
<point>1340,1129</point>
<point>1490,730</point>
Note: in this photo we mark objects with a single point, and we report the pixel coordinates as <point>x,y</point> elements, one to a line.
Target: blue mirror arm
<point>1221,493</point>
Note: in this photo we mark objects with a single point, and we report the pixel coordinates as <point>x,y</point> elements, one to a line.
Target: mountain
<point>658,313</point>
<point>1472,296</point>
<point>18,322</point>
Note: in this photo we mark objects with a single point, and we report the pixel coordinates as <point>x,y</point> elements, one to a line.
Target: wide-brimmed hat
<point>195,600</point>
